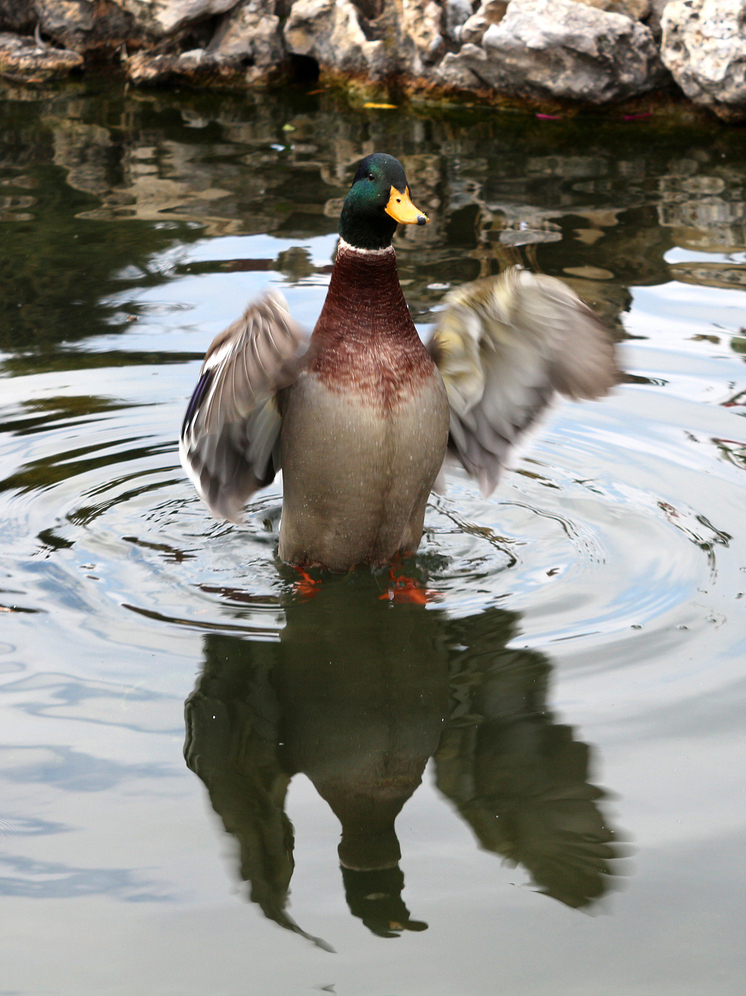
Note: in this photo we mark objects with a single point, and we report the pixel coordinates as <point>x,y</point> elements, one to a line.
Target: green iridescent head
<point>378,200</point>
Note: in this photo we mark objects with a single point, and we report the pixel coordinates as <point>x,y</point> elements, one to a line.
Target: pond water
<point>573,700</point>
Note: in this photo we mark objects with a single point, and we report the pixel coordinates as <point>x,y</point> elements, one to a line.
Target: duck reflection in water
<point>358,694</point>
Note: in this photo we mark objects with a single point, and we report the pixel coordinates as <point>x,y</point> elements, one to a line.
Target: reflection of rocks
<point>160,182</point>
<point>703,201</point>
<point>723,275</point>
<point>358,695</point>
<point>602,218</point>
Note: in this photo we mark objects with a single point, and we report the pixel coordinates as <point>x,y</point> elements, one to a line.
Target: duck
<point>361,415</point>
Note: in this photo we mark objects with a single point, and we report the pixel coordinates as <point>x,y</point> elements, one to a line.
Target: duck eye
<point>370,176</point>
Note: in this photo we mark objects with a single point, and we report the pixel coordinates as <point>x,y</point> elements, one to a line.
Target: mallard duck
<point>361,415</point>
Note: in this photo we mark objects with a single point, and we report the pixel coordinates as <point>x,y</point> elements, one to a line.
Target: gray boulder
<point>250,33</point>
<point>329,31</point>
<point>164,17</point>
<point>422,29</point>
<point>17,16</point>
<point>407,37</point>
<point>558,49</point>
<point>24,58</point>
<point>704,47</point>
<point>638,10</point>
<point>77,25</point>
<point>81,24</point>
<point>489,12</point>
<point>195,68</point>
<point>457,12</point>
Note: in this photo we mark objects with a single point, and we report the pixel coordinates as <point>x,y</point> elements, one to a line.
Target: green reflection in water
<point>358,695</point>
<point>96,183</point>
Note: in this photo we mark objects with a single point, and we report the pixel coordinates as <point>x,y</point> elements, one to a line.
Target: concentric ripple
<point>100,522</point>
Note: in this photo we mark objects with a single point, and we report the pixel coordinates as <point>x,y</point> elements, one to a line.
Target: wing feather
<point>229,443</point>
<point>504,346</point>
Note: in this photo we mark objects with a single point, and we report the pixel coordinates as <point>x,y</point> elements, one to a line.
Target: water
<point>573,699</point>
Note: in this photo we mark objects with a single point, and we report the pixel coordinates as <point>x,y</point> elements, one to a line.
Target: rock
<point>193,67</point>
<point>593,51</point>
<point>653,19</point>
<point>163,17</point>
<point>17,15</point>
<point>490,12</point>
<point>558,49</point>
<point>82,25</point>
<point>251,33</point>
<point>704,47</point>
<point>467,69</point>
<point>21,57</point>
<point>406,37</point>
<point>421,24</point>
<point>457,12</point>
<point>329,31</point>
<point>637,10</point>
<point>60,16</point>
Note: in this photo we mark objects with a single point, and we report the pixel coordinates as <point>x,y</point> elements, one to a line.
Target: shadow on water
<point>358,694</point>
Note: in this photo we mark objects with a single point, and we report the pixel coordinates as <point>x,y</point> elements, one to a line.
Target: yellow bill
<point>401,209</point>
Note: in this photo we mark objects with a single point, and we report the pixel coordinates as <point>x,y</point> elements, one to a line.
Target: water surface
<point>562,727</point>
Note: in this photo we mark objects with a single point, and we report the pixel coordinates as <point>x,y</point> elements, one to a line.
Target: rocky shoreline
<point>547,52</point>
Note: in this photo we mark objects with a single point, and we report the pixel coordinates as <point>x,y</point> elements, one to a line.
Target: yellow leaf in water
<point>386,107</point>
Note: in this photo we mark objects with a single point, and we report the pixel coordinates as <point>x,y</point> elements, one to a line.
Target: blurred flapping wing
<point>229,443</point>
<point>504,345</point>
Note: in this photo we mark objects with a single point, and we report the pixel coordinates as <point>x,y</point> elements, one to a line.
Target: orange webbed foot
<point>406,589</point>
<point>307,587</point>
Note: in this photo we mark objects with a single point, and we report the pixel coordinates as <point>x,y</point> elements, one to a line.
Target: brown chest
<point>378,369</point>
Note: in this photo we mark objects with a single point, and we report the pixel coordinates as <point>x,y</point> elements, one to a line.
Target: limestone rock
<point>329,31</point>
<point>468,69</point>
<point>490,12</point>
<point>457,12</point>
<point>163,17</point>
<point>421,23</point>
<point>704,47</point>
<point>250,32</point>
<point>559,49</point>
<point>83,24</point>
<point>653,20</point>
<point>193,67</point>
<point>637,10</point>
<point>18,15</point>
<point>57,16</point>
<point>21,57</point>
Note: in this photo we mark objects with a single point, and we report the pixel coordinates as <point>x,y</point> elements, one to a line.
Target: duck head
<point>378,200</point>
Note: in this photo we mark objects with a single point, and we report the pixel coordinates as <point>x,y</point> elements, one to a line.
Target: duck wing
<point>504,346</point>
<point>229,442</point>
